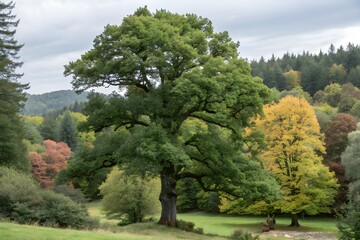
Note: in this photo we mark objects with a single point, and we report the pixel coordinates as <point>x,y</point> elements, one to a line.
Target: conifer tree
<point>12,151</point>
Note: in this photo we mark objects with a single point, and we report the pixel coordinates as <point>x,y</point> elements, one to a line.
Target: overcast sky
<point>58,31</point>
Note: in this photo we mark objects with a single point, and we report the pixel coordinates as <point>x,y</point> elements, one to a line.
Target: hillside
<point>40,104</point>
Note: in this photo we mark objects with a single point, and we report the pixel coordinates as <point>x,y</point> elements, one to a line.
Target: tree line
<point>340,66</point>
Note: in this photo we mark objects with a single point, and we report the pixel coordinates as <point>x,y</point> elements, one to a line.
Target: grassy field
<point>215,224</point>
<point>144,231</point>
<point>225,225</point>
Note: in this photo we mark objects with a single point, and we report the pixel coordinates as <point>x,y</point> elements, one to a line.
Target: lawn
<point>225,225</point>
<point>144,231</point>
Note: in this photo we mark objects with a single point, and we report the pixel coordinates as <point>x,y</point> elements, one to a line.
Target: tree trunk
<point>294,220</point>
<point>168,197</point>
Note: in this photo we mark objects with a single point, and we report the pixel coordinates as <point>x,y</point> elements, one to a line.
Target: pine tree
<point>68,131</point>
<point>12,151</point>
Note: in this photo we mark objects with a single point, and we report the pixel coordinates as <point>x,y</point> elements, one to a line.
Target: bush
<point>242,235</point>
<point>349,220</point>
<point>23,201</point>
<point>75,194</point>
<point>188,226</point>
<point>128,197</point>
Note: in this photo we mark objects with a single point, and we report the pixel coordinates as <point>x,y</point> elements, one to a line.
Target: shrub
<point>23,201</point>
<point>184,225</point>
<point>349,220</point>
<point>75,194</point>
<point>242,235</point>
<point>188,226</point>
<point>129,197</point>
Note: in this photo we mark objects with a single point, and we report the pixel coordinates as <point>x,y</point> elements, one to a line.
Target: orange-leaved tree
<point>293,154</point>
<point>47,164</point>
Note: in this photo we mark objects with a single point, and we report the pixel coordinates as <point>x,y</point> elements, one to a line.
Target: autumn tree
<point>336,135</point>
<point>293,154</point>
<point>47,164</point>
<point>336,140</point>
<point>174,68</point>
<point>12,151</point>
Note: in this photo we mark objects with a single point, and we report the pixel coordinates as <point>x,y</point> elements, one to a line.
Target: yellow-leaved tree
<point>293,151</point>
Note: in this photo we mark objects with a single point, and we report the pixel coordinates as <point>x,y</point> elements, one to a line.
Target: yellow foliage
<point>294,141</point>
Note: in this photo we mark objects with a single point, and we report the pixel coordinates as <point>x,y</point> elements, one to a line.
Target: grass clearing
<point>143,231</point>
<point>225,224</point>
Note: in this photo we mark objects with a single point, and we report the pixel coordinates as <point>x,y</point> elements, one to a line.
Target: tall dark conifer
<point>12,151</point>
<point>68,131</point>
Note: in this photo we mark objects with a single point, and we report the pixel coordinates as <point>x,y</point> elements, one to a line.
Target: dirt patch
<point>301,235</point>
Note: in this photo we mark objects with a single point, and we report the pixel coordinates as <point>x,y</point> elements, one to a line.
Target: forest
<point>195,128</point>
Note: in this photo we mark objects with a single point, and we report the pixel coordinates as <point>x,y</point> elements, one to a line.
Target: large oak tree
<point>188,98</point>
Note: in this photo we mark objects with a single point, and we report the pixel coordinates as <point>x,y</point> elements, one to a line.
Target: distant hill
<point>39,104</point>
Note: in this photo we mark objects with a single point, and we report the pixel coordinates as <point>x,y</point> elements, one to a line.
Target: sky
<point>56,32</point>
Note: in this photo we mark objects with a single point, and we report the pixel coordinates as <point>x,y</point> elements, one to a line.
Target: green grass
<point>143,231</point>
<point>225,224</point>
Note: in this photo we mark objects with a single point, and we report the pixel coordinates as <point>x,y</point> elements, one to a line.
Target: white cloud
<point>57,31</point>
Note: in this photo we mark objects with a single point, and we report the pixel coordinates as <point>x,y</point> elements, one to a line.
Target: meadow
<point>216,227</point>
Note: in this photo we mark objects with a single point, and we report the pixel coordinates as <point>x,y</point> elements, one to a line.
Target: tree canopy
<point>351,161</point>
<point>294,144</point>
<point>189,97</point>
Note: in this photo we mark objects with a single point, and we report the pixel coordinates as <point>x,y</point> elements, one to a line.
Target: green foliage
<point>349,220</point>
<point>175,68</point>
<point>188,227</point>
<point>12,151</point>
<point>355,110</point>
<point>68,131</point>
<point>208,201</point>
<point>130,196</point>
<point>316,70</point>
<point>88,166</point>
<point>31,132</point>
<point>40,104</point>
<point>351,161</point>
<point>331,94</point>
<point>49,129</point>
<point>9,47</point>
<point>296,92</point>
<point>187,189</point>
<point>243,235</point>
<point>23,201</point>
<point>75,194</point>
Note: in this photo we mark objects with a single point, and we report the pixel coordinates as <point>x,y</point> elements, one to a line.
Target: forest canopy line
<point>315,71</point>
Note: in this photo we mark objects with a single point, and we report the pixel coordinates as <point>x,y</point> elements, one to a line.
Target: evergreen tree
<point>49,129</point>
<point>12,150</point>
<point>68,131</point>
